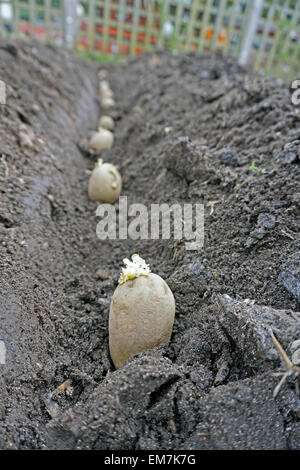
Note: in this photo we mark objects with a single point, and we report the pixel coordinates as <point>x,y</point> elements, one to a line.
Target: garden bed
<point>190,129</point>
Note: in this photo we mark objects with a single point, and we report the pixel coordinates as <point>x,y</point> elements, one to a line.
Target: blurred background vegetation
<point>264,34</point>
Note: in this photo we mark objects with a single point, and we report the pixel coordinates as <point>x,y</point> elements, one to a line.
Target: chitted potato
<point>141,313</point>
<point>101,140</point>
<point>106,122</point>
<point>105,183</point>
<point>105,90</point>
<point>106,93</point>
<point>107,103</point>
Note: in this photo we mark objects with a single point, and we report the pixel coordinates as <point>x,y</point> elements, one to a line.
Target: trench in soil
<point>54,306</point>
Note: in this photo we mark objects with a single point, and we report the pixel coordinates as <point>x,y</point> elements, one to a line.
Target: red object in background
<point>142,21</point>
<point>82,44</point>
<point>114,15</point>
<point>84,26</point>
<point>25,28</point>
<point>139,50</point>
<point>98,45</point>
<point>38,31</point>
<point>113,33</point>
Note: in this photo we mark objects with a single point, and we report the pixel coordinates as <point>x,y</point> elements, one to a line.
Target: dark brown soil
<point>212,387</point>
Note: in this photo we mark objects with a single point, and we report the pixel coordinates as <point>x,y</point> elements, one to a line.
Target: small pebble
<point>287,157</point>
<point>296,358</point>
<point>229,157</point>
<point>102,274</point>
<point>289,275</point>
<point>196,267</point>
<point>295,345</point>
<point>258,233</point>
<point>266,220</point>
<point>26,136</point>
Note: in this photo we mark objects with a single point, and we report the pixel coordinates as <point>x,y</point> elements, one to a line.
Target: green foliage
<point>254,168</point>
<point>98,57</point>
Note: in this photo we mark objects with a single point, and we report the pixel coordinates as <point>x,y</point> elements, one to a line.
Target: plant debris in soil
<point>190,129</point>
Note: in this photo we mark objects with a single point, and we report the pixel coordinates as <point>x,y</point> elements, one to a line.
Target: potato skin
<point>103,185</point>
<point>141,317</point>
<point>107,103</point>
<point>106,122</point>
<point>101,140</point>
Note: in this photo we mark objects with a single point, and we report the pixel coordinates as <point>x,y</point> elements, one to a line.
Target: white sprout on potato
<point>135,268</point>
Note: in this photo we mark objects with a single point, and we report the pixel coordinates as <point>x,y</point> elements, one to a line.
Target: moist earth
<point>193,129</point>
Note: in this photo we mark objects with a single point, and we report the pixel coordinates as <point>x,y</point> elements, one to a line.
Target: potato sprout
<point>141,312</point>
<point>105,183</point>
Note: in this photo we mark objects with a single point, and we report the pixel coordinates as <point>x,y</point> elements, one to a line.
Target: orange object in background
<point>222,36</point>
<point>141,38</point>
<point>209,33</point>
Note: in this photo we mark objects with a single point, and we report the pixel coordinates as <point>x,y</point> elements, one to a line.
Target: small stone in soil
<point>266,220</point>
<point>287,157</point>
<point>289,275</point>
<point>295,345</point>
<point>196,267</point>
<point>296,358</point>
<point>229,157</point>
<point>102,274</point>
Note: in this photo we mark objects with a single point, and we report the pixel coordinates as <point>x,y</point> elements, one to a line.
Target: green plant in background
<point>173,23</point>
<point>110,59</point>
<point>161,9</point>
<point>173,42</point>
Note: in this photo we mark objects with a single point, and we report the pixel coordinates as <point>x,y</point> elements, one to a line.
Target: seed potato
<point>106,122</point>
<point>101,140</point>
<point>104,94</point>
<point>107,103</point>
<point>141,313</point>
<point>105,90</point>
<point>105,183</point>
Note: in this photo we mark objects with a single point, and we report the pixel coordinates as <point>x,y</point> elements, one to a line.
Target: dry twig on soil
<point>292,369</point>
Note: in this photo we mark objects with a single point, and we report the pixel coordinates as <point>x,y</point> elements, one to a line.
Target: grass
<point>105,59</point>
